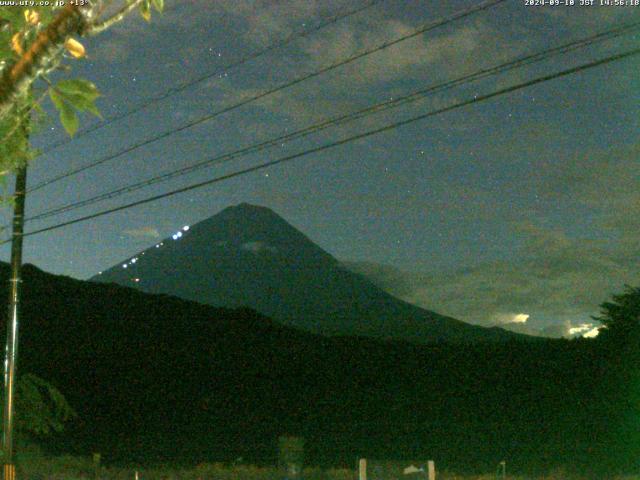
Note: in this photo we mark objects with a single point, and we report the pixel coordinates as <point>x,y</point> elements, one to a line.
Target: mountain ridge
<point>248,255</point>
<point>158,379</point>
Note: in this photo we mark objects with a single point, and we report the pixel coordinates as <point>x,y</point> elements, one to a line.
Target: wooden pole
<point>11,350</point>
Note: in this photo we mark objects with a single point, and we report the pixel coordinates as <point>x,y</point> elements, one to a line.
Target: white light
<point>99,273</point>
<point>134,260</point>
<point>594,332</point>
<point>124,265</point>
<point>136,280</point>
<point>520,318</point>
<point>583,327</point>
<point>157,245</point>
<point>185,228</point>
<point>174,236</point>
<point>179,234</point>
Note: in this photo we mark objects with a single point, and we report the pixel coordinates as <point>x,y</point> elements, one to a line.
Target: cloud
<point>508,318</point>
<point>565,329</point>
<point>417,62</point>
<point>113,50</point>
<point>607,181</point>
<point>557,280</point>
<point>143,232</point>
<point>449,51</point>
<point>562,268</point>
<point>277,20</point>
<point>258,247</point>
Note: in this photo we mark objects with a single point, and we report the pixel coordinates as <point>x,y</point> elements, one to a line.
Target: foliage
<point>619,343</point>
<point>145,8</point>
<point>71,96</point>
<point>68,467</point>
<point>40,407</point>
<point>20,26</point>
<point>621,316</point>
<point>14,143</point>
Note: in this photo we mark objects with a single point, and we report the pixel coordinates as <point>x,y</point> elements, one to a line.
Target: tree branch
<point>22,118</point>
<point>96,28</point>
<point>22,74</point>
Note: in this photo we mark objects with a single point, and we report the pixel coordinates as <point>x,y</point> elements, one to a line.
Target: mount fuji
<point>248,256</point>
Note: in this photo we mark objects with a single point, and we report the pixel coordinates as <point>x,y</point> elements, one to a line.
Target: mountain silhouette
<point>248,256</point>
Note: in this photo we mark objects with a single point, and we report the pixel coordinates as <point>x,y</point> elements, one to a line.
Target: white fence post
<point>431,467</point>
<point>362,469</point>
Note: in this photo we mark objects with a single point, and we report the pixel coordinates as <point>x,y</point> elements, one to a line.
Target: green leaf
<point>69,120</point>
<point>78,86</point>
<point>68,116</point>
<point>80,94</point>
<point>158,5</point>
<point>13,15</point>
<point>56,99</point>
<point>145,10</point>
<point>82,104</point>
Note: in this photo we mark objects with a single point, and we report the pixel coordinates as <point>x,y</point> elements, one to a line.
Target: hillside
<point>159,379</point>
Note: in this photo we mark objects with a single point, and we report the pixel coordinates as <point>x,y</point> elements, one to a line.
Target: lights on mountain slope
<point>134,260</point>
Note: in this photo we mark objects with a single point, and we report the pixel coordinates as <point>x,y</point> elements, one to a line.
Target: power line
<point>345,118</point>
<point>425,28</point>
<point>360,136</point>
<point>185,85</point>
<point>340,120</point>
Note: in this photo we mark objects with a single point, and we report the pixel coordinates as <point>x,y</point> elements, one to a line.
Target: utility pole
<point>12,324</point>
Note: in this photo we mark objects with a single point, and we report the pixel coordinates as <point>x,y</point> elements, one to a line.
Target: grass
<point>79,468</point>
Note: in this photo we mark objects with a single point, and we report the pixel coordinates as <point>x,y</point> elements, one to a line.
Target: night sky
<point>524,207</point>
